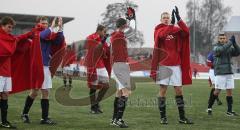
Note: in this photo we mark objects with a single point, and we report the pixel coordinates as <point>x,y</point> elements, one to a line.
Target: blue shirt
<point>46,44</point>
<point>210,57</point>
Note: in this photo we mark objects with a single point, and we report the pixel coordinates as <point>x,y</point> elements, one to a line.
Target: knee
<point>178,91</point>
<point>163,91</point>
<point>126,92</point>
<point>229,92</point>
<point>106,86</point>
<point>33,94</point>
<point>216,92</point>
<point>45,94</point>
<point>4,95</point>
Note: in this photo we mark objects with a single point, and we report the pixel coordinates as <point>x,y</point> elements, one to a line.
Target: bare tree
<point>117,10</point>
<point>210,18</point>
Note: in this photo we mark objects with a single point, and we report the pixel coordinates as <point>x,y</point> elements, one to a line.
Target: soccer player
<point>98,76</point>
<point>212,76</point>
<point>8,46</point>
<point>174,41</point>
<point>47,41</point>
<point>121,72</point>
<point>69,59</point>
<point>223,51</point>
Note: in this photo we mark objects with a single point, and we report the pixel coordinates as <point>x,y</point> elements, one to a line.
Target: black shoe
<point>219,102</point>
<point>164,121</point>
<point>94,111</point>
<point>25,118</point>
<point>8,125</point>
<point>209,111</point>
<point>185,121</point>
<point>120,123</point>
<point>232,113</point>
<point>99,109</point>
<point>47,121</point>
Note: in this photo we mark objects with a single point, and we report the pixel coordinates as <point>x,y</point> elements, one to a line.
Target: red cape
<point>183,44</point>
<point>27,63</point>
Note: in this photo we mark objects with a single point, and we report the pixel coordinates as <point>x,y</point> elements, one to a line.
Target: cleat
<point>164,121</point>
<point>209,111</point>
<point>8,125</point>
<point>219,103</point>
<point>120,123</point>
<point>94,112</point>
<point>232,113</point>
<point>25,118</point>
<point>99,109</point>
<point>185,121</point>
<point>47,121</point>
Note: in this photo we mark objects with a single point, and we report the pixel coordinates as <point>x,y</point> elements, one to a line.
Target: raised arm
<point>235,51</point>
<point>184,28</point>
<point>59,38</point>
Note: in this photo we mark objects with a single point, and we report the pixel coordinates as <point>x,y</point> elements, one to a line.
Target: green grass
<point>141,114</point>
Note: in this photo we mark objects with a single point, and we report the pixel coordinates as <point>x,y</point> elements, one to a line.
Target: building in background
<point>24,22</point>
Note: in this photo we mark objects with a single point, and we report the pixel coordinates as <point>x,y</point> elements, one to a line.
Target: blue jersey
<point>46,44</point>
<point>210,57</point>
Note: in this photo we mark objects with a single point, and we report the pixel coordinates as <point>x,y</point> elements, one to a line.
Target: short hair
<point>120,22</point>
<point>221,34</point>
<point>40,18</point>
<point>7,20</point>
<point>164,13</point>
<point>100,27</point>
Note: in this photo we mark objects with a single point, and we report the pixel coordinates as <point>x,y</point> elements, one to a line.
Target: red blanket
<point>183,45</point>
<point>27,66</point>
<point>27,63</point>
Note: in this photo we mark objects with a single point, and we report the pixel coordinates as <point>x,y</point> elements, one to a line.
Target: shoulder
<point>117,35</point>
<point>93,36</point>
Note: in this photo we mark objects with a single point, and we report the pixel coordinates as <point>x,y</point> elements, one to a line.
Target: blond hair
<point>164,13</point>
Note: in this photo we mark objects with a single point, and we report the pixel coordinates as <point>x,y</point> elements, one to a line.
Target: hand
<point>153,75</point>
<point>177,13</point>
<point>104,38</point>
<point>60,22</point>
<point>232,39</point>
<point>53,22</point>
<point>173,18</point>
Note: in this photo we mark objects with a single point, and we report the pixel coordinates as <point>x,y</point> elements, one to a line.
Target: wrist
<point>178,18</point>
<point>60,29</point>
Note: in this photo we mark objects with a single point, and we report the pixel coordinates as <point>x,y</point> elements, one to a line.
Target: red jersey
<point>172,47</point>
<point>8,46</point>
<point>96,37</point>
<point>119,47</point>
<point>168,41</point>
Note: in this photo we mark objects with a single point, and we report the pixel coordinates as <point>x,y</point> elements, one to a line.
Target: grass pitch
<point>141,113</point>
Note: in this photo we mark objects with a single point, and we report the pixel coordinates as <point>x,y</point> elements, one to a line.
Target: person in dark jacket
<point>223,53</point>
